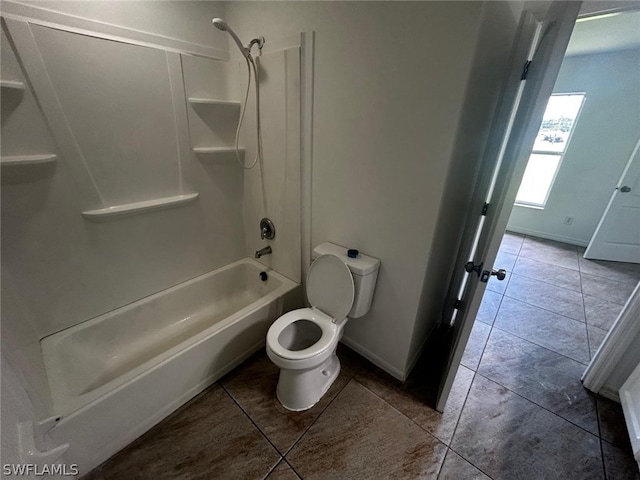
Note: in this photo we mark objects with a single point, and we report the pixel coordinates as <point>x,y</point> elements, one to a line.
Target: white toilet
<point>303,342</point>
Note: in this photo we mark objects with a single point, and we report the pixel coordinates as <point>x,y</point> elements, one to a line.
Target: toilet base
<point>300,390</point>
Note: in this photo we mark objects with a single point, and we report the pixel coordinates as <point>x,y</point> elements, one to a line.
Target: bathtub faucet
<point>263,251</point>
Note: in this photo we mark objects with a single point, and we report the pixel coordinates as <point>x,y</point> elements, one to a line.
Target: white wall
<point>183,19</point>
<point>389,84</point>
<point>603,140</point>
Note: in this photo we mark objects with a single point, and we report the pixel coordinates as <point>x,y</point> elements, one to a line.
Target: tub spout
<point>263,251</point>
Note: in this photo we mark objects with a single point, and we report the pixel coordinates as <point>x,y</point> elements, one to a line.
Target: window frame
<point>541,206</point>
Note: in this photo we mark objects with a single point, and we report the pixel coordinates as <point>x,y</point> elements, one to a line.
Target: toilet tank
<point>364,270</point>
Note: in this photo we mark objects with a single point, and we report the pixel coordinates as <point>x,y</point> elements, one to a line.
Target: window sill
<point>527,205</point>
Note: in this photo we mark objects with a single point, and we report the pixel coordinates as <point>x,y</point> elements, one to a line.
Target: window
<point>549,148</point>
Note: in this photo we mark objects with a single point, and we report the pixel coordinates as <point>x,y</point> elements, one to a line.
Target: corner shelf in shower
<point>118,211</point>
<point>16,160</point>
<point>213,102</point>
<point>11,85</point>
<point>217,152</point>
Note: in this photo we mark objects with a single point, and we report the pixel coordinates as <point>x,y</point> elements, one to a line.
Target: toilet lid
<point>330,286</point>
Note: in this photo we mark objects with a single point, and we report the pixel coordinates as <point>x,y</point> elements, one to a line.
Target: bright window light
<point>549,148</point>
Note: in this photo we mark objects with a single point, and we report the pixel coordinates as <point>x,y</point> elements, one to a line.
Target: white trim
<point>181,123</point>
<point>615,344</point>
<point>548,236</point>
<point>610,394</point>
<point>93,28</point>
<point>307,42</point>
<point>375,359</point>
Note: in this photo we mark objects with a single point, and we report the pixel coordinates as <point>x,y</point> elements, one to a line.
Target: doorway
<point>536,331</point>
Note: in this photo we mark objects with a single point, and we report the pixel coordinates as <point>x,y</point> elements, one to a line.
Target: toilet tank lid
<point>361,265</point>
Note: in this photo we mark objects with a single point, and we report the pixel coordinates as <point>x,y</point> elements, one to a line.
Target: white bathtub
<point>116,375</point>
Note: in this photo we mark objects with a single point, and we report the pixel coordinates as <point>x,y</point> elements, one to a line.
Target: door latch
<point>486,275</point>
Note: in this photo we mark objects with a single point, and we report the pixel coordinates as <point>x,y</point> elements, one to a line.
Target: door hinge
<point>485,207</point>
<point>457,304</point>
<point>525,70</point>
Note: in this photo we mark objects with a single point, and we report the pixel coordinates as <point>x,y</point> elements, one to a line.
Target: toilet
<point>303,342</point>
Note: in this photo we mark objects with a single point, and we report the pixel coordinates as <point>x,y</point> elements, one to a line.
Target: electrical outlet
<point>568,220</point>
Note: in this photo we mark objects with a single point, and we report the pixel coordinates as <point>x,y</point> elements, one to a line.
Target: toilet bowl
<point>303,342</point>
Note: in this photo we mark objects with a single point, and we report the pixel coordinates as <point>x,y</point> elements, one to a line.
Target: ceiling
<point>605,33</point>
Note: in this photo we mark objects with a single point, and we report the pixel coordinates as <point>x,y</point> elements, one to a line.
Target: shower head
<point>222,26</point>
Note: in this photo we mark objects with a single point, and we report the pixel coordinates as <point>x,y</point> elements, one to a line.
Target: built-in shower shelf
<point>10,85</point>
<point>211,101</point>
<point>111,213</point>
<point>217,152</point>
<point>15,160</point>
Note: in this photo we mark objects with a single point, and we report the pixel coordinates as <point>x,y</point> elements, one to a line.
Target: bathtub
<point>116,375</point>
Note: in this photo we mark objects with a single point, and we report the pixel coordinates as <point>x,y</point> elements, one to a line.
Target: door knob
<point>625,189</point>
<point>486,275</point>
<point>500,274</point>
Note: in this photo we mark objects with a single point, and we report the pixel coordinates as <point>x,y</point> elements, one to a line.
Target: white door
<point>510,145</point>
<point>617,236</point>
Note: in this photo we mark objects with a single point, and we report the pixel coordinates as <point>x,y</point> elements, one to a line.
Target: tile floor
<point>517,409</point>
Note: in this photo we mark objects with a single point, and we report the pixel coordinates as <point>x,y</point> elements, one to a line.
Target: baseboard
<point>375,359</point>
<point>610,394</point>
<point>548,236</point>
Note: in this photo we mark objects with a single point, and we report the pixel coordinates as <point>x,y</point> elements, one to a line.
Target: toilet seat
<point>325,342</point>
<point>331,291</point>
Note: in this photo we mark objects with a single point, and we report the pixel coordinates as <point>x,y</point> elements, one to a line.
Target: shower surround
<point>125,272</point>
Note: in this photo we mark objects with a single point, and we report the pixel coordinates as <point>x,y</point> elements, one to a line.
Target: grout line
<point>446,454</point>
<point>316,419</point>
<point>546,309</point>
<point>466,397</point>
<point>597,408</point>
<point>291,467</point>
<point>254,424</point>
<point>600,435</point>
<point>405,415</point>
<point>273,468</point>
<point>542,407</point>
<point>541,346</point>
<point>533,343</point>
<point>456,429</point>
<point>586,323</point>
<point>471,463</point>
<point>535,306</point>
<point>543,280</point>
